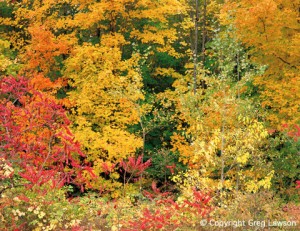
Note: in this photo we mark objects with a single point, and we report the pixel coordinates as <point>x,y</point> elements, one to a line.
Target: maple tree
<point>270,29</point>
<point>116,63</point>
<point>101,114</point>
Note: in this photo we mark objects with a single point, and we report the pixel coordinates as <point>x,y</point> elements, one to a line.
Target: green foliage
<point>8,64</point>
<point>285,159</point>
<point>164,165</point>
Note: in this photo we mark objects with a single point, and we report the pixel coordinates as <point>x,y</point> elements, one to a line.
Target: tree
<point>103,102</point>
<point>270,28</point>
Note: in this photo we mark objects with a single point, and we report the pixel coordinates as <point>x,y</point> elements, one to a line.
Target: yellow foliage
<point>218,134</point>
<point>105,95</point>
<point>254,185</point>
<point>4,61</point>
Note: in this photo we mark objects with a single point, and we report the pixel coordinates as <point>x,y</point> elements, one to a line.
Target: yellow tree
<point>222,143</point>
<point>103,100</point>
<point>104,71</point>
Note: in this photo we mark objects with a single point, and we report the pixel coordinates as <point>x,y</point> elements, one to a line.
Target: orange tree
<point>270,29</point>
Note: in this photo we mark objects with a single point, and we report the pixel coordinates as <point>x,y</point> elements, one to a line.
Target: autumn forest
<point>149,115</point>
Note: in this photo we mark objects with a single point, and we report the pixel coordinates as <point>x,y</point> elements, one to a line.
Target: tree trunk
<point>196,46</point>
<point>204,30</point>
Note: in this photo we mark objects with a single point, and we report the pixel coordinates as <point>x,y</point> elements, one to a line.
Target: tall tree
<point>270,29</point>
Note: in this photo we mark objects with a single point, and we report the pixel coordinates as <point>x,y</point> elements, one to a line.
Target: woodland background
<point>148,114</point>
